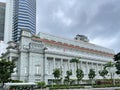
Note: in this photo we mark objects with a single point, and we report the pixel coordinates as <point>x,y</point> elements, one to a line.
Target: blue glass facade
<point>2,20</point>
<point>24,17</point>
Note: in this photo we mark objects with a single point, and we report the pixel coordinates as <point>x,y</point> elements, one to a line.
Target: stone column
<point>92,65</point>
<point>61,64</point>
<point>68,64</point>
<point>62,70</point>
<point>45,67</point>
<point>87,68</point>
<point>97,70</point>
<point>54,63</point>
<point>75,68</point>
<point>46,70</point>
<point>31,71</point>
<point>101,66</point>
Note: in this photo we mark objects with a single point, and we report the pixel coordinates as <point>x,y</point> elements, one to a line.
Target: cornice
<point>71,55</point>
<point>73,47</point>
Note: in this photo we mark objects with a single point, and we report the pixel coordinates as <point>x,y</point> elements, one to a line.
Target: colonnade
<point>64,65</point>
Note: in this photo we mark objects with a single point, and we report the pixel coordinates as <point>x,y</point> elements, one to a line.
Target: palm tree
<point>110,66</point>
<point>76,60</point>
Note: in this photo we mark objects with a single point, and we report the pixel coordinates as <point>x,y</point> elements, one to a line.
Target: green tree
<point>41,84</point>
<point>79,75</point>
<point>91,75</point>
<point>117,57</point>
<point>103,73</point>
<point>6,69</point>
<point>68,73</point>
<point>117,64</point>
<point>109,66</point>
<point>76,60</point>
<point>57,74</point>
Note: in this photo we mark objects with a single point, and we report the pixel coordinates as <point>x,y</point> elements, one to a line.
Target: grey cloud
<point>107,18</point>
<point>93,18</point>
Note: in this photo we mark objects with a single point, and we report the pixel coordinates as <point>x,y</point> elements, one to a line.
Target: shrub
<point>19,87</point>
<point>100,83</point>
<point>16,81</point>
<point>65,87</point>
<point>41,84</point>
<point>106,81</point>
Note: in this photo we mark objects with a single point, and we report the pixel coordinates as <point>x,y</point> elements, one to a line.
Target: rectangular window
<point>25,70</point>
<point>37,70</point>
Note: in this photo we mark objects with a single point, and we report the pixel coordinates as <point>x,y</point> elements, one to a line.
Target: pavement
<point>110,88</point>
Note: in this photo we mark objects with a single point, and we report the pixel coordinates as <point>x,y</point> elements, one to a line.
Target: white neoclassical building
<point>37,56</point>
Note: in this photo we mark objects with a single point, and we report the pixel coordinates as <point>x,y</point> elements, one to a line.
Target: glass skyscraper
<point>24,17</point>
<point>2,20</point>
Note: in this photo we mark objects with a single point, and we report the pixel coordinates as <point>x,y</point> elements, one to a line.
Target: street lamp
<point>44,62</point>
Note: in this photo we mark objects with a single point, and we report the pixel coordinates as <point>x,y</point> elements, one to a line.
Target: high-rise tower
<point>8,21</point>
<point>2,20</point>
<point>22,15</point>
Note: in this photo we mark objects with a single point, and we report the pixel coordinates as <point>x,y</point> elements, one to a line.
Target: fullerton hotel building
<point>36,56</point>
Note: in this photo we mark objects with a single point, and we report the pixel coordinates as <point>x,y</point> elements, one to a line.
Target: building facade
<point>2,20</point>
<point>8,21</point>
<point>37,56</point>
<point>22,14</point>
<point>24,17</point>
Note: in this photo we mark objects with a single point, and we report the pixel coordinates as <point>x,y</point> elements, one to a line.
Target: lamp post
<point>44,62</point>
<point>61,76</point>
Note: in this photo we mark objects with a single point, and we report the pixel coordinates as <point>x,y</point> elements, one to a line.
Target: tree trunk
<point>76,73</point>
<point>41,87</point>
<point>92,82</point>
<point>77,81</point>
<point>2,86</point>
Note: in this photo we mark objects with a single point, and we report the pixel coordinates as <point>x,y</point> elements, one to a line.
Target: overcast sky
<point>99,20</point>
